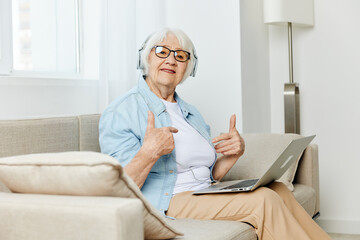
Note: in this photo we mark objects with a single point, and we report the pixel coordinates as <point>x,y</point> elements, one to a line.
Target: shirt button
<point>171,171</point>
<point>166,194</point>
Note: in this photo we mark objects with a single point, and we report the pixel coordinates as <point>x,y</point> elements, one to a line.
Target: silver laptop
<point>291,153</point>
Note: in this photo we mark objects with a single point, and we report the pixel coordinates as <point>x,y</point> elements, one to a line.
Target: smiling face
<point>165,73</point>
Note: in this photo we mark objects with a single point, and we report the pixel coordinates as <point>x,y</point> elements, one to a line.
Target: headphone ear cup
<point>139,63</point>
<point>193,72</point>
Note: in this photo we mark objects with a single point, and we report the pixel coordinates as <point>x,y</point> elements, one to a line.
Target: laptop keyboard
<point>245,183</point>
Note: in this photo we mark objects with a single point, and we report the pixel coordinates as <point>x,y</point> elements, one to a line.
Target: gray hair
<point>157,37</point>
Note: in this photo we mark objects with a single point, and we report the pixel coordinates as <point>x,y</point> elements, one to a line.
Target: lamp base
<point>292,108</point>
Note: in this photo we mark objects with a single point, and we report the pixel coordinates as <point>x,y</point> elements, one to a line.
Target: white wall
<point>29,98</point>
<point>214,27</point>
<point>254,68</point>
<point>326,65</point>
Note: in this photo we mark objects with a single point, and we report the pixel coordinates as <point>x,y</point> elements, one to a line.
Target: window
<point>50,37</point>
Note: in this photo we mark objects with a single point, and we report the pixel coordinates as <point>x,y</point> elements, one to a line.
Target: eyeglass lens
<point>164,52</point>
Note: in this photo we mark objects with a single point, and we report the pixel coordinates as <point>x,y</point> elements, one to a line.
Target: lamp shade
<point>300,12</point>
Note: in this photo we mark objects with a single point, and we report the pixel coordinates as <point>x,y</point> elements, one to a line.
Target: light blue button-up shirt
<point>122,129</point>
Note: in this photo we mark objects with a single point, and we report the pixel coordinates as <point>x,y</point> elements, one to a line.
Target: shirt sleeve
<point>117,138</point>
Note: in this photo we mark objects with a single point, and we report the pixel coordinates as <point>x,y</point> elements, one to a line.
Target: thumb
<point>232,123</point>
<point>150,121</point>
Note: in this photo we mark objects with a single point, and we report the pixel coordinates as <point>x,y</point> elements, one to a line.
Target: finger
<point>230,152</point>
<point>150,121</point>
<point>169,129</point>
<point>223,136</point>
<point>224,143</point>
<point>225,149</point>
<point>232,123</point>
<point>173,130</point>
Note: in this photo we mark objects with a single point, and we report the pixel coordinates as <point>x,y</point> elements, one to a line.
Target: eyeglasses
<point>164,52</point>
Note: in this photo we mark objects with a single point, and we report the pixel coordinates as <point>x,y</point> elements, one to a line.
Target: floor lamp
<point>290,12</point>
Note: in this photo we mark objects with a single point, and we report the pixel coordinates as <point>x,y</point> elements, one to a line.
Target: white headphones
<point>140,65</point>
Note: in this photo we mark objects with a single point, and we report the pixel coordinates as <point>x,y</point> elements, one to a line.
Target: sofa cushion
<point>46,135</point>
<point>89,132</point>
<point>55,217</point>
<point>306,196</point>
<point>79,173</point>
<point>213,229</point>
<point>4,188</point>
<point>261,150</point>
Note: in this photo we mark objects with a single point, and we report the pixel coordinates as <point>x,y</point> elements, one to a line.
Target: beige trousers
<point>272,211</point>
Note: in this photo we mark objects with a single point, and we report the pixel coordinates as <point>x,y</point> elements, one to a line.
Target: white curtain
<point>125,25</point>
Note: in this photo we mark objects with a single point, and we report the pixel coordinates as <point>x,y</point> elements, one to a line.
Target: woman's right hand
<point>158,141</point>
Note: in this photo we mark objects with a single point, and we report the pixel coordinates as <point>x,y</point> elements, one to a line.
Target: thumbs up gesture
<point>158,141</point>
<point>231,143</point>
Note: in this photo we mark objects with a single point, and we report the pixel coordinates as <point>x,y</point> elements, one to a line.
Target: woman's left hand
<point>231,143</point>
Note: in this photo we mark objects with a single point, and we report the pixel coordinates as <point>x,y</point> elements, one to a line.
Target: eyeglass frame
<point>170,51</point>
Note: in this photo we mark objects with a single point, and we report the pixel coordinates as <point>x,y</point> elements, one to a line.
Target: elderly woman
<point>165,146</point>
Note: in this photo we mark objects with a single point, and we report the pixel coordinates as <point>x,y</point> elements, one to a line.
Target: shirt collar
<point>185,108</point>
<point>155,103</point>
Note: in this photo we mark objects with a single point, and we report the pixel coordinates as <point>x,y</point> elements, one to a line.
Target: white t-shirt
<point>194,155</point>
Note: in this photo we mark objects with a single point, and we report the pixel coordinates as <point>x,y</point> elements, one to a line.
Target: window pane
<point>45,35</point>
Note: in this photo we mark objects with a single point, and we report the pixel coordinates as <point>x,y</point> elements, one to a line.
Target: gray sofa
<point>80,133</point>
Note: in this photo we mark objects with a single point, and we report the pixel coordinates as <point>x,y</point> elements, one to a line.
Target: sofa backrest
<point>78,133</point>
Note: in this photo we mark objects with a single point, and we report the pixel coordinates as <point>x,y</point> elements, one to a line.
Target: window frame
<point>6,49</point>
<point>6,59</point>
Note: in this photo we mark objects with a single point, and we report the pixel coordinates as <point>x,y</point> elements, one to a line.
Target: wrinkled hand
<point>231,143</point>
<point>158,141</point>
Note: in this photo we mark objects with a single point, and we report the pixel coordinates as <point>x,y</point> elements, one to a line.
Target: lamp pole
<point>291,94</point>
<point>291,75</point>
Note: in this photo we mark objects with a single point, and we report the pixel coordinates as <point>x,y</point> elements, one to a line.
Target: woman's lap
<point>263,208</point>
<point>221,206</point>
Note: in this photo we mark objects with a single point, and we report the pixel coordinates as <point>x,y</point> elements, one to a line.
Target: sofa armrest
<point>35,216</point>
<point>308,171</point>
